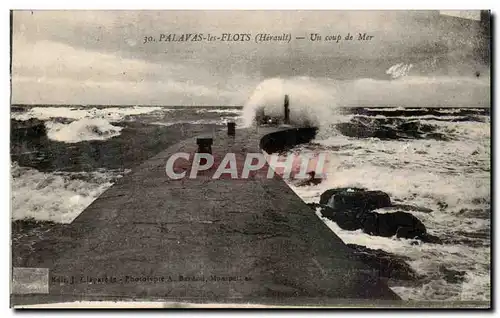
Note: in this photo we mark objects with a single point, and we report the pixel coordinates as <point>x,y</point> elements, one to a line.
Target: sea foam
<point>113,114</point>
<point>85,123</point>
<point>82,130</point>
<point>57,197</point>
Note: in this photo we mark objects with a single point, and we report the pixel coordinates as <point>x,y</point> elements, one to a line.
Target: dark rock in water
<point>452,276</point>
<point>346,220</point>
<point>355,199</point>
<point>325,196</point>
<point>401,224</point>
<point>27,128</point>
<point>389,265</point>
<point>352,209</point>
<point>364,200</point>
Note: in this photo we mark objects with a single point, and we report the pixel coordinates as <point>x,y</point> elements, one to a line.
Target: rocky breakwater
<point>354,209</point>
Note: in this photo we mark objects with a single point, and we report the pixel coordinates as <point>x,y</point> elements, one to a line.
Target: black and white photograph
<point>250,159</point>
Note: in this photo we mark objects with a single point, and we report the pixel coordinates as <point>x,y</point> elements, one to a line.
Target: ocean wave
<point>421,112</point>
<point>477,131</point>
<point>447,117</point>
<point>452,111</point>
<point>411,127</point>
<point>57,197</point>
<point>219,111</point>
<point>316,101</point>
<point>82,130</point>
<point>113,114</point>
<point>431,262</point>
<point>408,175</point>
<point>388,109</point>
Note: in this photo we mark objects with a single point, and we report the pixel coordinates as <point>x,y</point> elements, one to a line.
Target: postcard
<point>250,159</point>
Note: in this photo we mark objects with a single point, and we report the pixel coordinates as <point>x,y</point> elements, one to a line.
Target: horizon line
<point>230,106</point>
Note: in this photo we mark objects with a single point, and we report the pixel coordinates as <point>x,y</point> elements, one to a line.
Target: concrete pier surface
<point>205,240</point>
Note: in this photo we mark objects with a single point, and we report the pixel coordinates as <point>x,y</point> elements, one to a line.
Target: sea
<point>438,158</point>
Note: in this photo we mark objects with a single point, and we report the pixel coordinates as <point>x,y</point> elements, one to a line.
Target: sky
<point>99,57</point>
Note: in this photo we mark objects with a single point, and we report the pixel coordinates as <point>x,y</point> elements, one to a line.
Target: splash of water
<point>312,101</point>
<point>316,101</point>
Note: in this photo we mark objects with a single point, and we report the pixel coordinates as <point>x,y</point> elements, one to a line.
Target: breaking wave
<point>112,114</point>
<point>82,130</point>
<point>77,124</point>
<point>59,197</point>
<point>316,101</point>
